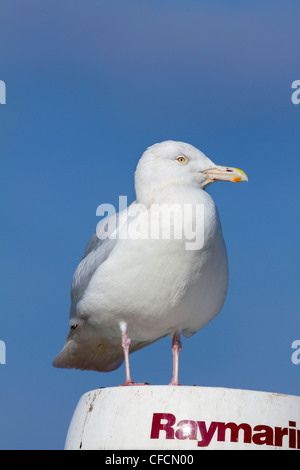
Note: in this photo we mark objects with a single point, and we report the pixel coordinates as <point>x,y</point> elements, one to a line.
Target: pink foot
<point>174,382</point>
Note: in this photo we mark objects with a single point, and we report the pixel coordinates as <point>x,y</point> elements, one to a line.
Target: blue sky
<point>90,85</point>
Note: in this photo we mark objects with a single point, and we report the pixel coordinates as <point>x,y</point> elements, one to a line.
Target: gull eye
<point>181,159</point>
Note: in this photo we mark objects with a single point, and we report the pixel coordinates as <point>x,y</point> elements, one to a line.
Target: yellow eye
<point>181,159</point>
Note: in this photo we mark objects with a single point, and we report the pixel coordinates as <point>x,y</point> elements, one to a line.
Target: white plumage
<point>130,291</point>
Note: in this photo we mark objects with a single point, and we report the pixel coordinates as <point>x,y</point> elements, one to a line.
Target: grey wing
<point>96,252</point>
<point>84,347</point>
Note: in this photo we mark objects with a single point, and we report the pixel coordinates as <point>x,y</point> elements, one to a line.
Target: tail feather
<point>87,351</point>
<point>74,356</point>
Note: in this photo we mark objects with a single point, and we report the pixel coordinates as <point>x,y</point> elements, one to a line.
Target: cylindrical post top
<point>184,417</point>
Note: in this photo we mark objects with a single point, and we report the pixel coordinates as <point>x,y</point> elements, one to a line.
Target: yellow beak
<point>225,173</point>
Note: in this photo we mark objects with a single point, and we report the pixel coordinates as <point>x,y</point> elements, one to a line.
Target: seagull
<point>131,290</point>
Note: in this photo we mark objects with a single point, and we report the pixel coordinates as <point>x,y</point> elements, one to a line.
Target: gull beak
<point>225,173</point>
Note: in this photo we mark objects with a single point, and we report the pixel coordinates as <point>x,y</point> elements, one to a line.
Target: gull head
<point>179,163</point>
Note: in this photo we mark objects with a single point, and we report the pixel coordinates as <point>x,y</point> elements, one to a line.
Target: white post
<point>184,418</point>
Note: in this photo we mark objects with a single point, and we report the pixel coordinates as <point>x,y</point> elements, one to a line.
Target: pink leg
<point>176,348</point>
<point>126,342</point>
